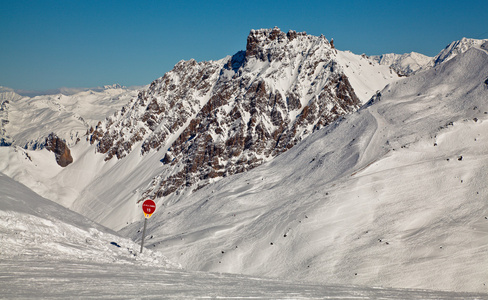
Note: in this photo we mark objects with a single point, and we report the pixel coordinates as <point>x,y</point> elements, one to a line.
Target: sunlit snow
<point>392,196</point>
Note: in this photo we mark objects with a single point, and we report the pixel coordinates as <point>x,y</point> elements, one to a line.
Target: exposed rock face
<point>218,118</point>
<point>5,140</point>
<point>60,149</point>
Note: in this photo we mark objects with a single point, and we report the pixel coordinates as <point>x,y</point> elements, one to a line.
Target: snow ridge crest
<point>456,48</point>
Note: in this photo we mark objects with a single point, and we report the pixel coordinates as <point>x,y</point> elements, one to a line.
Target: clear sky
<point>52,44</point>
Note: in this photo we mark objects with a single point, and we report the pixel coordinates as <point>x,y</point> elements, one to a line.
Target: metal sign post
<point>148,207</point>
<point>143,234</point>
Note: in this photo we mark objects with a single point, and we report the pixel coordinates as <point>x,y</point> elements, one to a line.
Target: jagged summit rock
<point>264,43</point>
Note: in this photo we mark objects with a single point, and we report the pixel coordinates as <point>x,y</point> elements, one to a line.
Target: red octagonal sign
<point>149,207</point>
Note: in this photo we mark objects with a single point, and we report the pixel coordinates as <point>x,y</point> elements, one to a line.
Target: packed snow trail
<point>42,278</point>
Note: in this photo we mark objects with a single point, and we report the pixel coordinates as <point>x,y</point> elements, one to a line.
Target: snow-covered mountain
<point>409,63</point>
<point>371,182</point>
<point>207,120</point>
<point>457,47</point>
<point>393,195</point>
<point>404,64</point>
<point>215,119</point>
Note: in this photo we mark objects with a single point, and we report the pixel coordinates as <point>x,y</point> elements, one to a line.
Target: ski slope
<point>37,229</point>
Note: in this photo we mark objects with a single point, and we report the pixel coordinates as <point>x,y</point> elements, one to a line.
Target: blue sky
<point>53,44</point>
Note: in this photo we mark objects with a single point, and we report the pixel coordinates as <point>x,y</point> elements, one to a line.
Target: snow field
<point>86,280</point>
<point>365,74</point>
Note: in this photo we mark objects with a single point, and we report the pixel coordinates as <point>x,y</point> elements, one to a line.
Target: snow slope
<point>394,195</point>
<point>49,252</point>
<point>365,74</point>
<point>36,229</point>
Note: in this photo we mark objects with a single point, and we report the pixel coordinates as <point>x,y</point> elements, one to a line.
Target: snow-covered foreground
<point>50,252</point>
<point>34,228</point>
<point>45,279</point>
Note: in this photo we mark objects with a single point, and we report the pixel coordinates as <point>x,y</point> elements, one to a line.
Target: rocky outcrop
<point>218,118</point>
<point>5,140</point>
<point>61,151</point>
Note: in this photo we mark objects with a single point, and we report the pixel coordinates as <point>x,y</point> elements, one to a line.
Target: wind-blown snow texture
<point>391,195</point>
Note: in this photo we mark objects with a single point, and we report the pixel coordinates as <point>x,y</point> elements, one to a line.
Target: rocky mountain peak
<point>213,119</point>
<point>265,44</point>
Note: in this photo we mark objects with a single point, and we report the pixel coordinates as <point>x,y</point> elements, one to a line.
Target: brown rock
<point>60,149</point>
